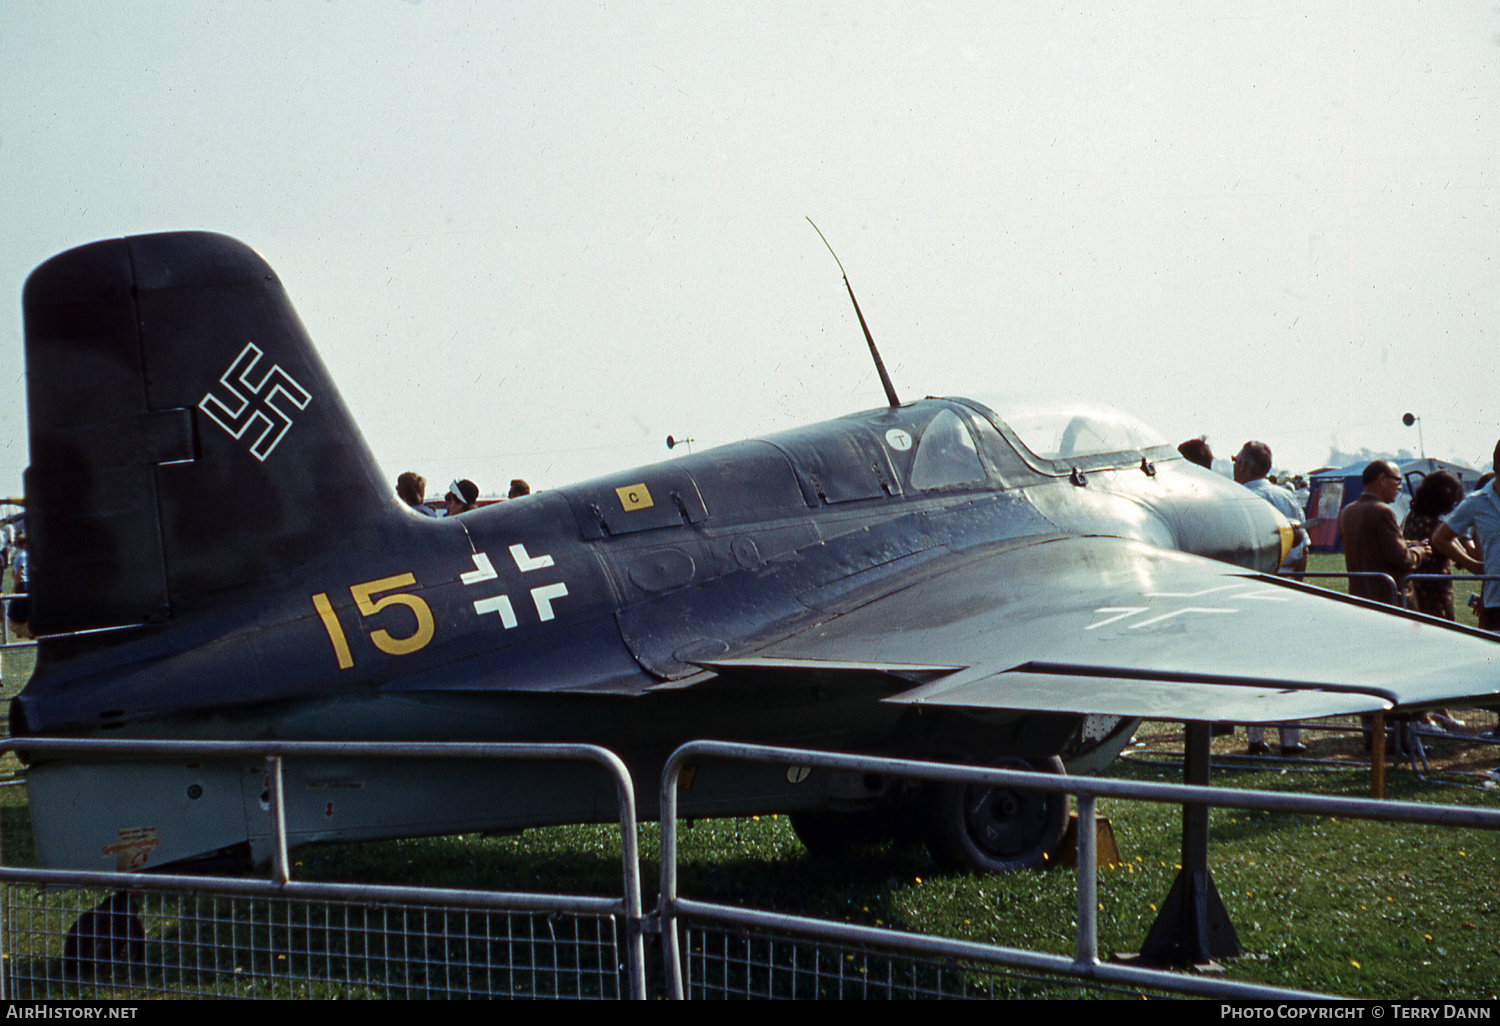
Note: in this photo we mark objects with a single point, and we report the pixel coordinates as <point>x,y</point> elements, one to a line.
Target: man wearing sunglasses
<point>1372,540</point>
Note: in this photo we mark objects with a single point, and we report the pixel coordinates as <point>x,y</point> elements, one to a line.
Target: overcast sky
<point>533,239</point>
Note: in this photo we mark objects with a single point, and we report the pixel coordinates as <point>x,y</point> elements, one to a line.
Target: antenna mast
<point>885,379</point>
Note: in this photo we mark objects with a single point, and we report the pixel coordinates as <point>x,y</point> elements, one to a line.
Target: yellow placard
<point>634,497</point>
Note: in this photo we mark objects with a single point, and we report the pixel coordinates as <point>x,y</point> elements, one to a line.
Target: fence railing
<point>281,885</point>
<point>1368,575</point>
<point>1450,578</point>
<point>673,909</point>
<point>1085,964</point>
<point>1397,595</point>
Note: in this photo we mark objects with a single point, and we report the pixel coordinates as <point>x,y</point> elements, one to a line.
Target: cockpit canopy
<point>947,455</point>
<point>1069,432</point>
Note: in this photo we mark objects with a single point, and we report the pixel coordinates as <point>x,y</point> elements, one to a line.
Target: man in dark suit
<point>1372,540</point>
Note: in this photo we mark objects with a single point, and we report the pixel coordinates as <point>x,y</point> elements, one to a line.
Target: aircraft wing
<point>1109,626</point>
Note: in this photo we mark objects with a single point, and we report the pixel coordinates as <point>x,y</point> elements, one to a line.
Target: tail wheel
<point>828,834</point>
<point>105,941</point>
<point>982,829</point>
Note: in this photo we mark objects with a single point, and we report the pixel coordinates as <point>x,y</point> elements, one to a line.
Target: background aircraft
<point>922,579</point>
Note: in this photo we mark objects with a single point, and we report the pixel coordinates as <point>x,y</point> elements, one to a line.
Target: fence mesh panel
<point>131,946</point>
<point>735,964</point>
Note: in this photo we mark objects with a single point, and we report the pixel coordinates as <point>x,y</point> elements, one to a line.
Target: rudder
<point>185,436</point>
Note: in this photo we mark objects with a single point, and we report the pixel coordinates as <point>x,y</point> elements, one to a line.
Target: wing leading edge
<point>1110,626</point>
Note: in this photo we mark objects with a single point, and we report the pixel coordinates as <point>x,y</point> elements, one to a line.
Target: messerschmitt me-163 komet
<point>216,555</point>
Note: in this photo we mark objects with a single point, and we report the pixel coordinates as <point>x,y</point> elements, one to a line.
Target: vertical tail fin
<point>185,436</point>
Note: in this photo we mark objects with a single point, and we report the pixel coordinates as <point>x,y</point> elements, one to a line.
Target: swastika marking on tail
<point>246,402</point>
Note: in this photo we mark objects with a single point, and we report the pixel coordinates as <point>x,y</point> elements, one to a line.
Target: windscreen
<point>1064,432</point>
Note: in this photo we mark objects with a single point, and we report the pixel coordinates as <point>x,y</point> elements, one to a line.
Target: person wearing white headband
<point>463,495</point>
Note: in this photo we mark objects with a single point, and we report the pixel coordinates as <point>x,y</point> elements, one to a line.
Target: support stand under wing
<point>1193,926</point>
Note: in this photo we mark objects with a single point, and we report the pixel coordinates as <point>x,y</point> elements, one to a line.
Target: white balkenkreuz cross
<point>1237,592</point>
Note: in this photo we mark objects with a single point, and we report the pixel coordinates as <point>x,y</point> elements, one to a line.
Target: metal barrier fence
<point>1397,595</point>
<point>158,934</point>
<point>1369,575</point>
<point>160,944</point>
<point>932,965</point>
<point>1448,578</point>
<point>154,935</point>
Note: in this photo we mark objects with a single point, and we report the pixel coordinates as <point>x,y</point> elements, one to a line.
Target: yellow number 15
<point>368,605</point>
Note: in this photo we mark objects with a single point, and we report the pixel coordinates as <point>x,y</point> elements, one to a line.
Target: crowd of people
<point>1443,528</point>
<point>462,495</point>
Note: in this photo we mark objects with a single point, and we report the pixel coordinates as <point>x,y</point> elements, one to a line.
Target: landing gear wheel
<point>107,942</point>
<point>981,829</point>
<point>828,834</point>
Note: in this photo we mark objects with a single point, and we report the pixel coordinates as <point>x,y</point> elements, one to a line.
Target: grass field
<point>1352,908</point>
